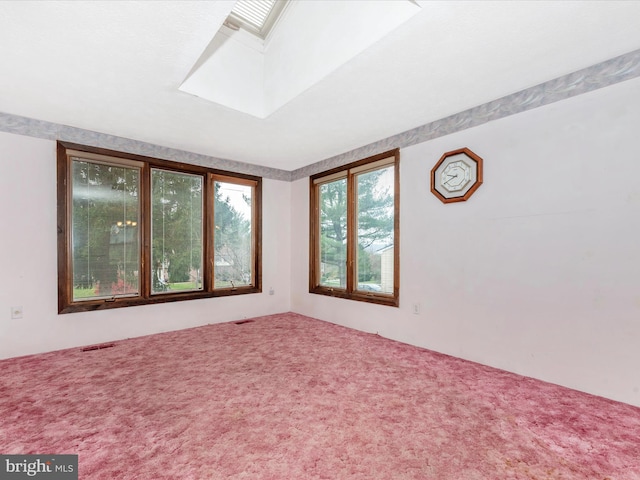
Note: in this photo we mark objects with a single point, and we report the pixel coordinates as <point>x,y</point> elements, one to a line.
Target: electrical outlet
<point>271,291</point>
<point>16,312</point>
<point>416,309</point>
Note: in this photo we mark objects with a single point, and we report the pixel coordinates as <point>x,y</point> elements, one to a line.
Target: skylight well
<point>255,16</point>
<point>281,48</point>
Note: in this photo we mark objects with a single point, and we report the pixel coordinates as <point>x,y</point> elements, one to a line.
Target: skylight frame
<point>256,16</point>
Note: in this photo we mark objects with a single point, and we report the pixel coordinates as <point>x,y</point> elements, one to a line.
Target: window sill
<point>109,303</point>
<point>379,299</point>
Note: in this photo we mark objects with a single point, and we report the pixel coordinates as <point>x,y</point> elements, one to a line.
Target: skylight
<point>256,16</point>
<point>257,76</point>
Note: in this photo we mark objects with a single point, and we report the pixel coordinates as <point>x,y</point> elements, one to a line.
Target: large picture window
<point>134,230</point>
<point>354,230</point>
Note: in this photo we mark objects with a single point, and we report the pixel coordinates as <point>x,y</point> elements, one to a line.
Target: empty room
<point>305,239</point>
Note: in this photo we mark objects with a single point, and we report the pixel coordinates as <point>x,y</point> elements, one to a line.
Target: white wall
<point>29,270</point>
<point>538,272</point>
<point>319,48</point>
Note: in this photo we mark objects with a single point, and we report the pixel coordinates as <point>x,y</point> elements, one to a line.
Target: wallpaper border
<point>609,72</point>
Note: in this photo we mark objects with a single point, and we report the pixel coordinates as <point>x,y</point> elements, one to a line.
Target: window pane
<point>333,234</point>
<point>105,221</point>
<point>176,231</point>
<point>233,246</point>
<point>375,211</point>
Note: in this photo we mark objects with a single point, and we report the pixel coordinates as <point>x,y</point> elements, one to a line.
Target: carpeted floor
<point>286,397</point>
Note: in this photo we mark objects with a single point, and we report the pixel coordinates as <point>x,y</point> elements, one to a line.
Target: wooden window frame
<point>350,172</point>
<point>66,151</point>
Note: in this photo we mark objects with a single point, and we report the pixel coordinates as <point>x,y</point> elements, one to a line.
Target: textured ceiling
<point>243,72</point>
<point>115,68</point>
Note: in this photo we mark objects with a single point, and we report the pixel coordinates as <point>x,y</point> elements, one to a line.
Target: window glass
<point>136,230</point>
<point>105,240</point>
<point>375,202</point>
<point>354,230</point>
<point>233,246</point>
<point>333,233</point>
<point>176,231</point>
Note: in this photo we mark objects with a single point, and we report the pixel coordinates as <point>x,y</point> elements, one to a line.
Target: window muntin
<point>105,247</point>
<point>111,229</point>
<point>176,231</point>
<point>354,230</point>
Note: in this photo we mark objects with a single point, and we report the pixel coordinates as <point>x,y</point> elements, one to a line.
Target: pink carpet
<point>288,397</point>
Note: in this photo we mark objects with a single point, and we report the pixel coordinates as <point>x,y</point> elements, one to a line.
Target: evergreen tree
<point>176,228</point>
<point>374,223</point>
<point>232,241</point>
<point>104,205</point>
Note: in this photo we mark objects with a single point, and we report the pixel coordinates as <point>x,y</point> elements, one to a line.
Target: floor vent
<point>242,322</point>
<point>98,347</point>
